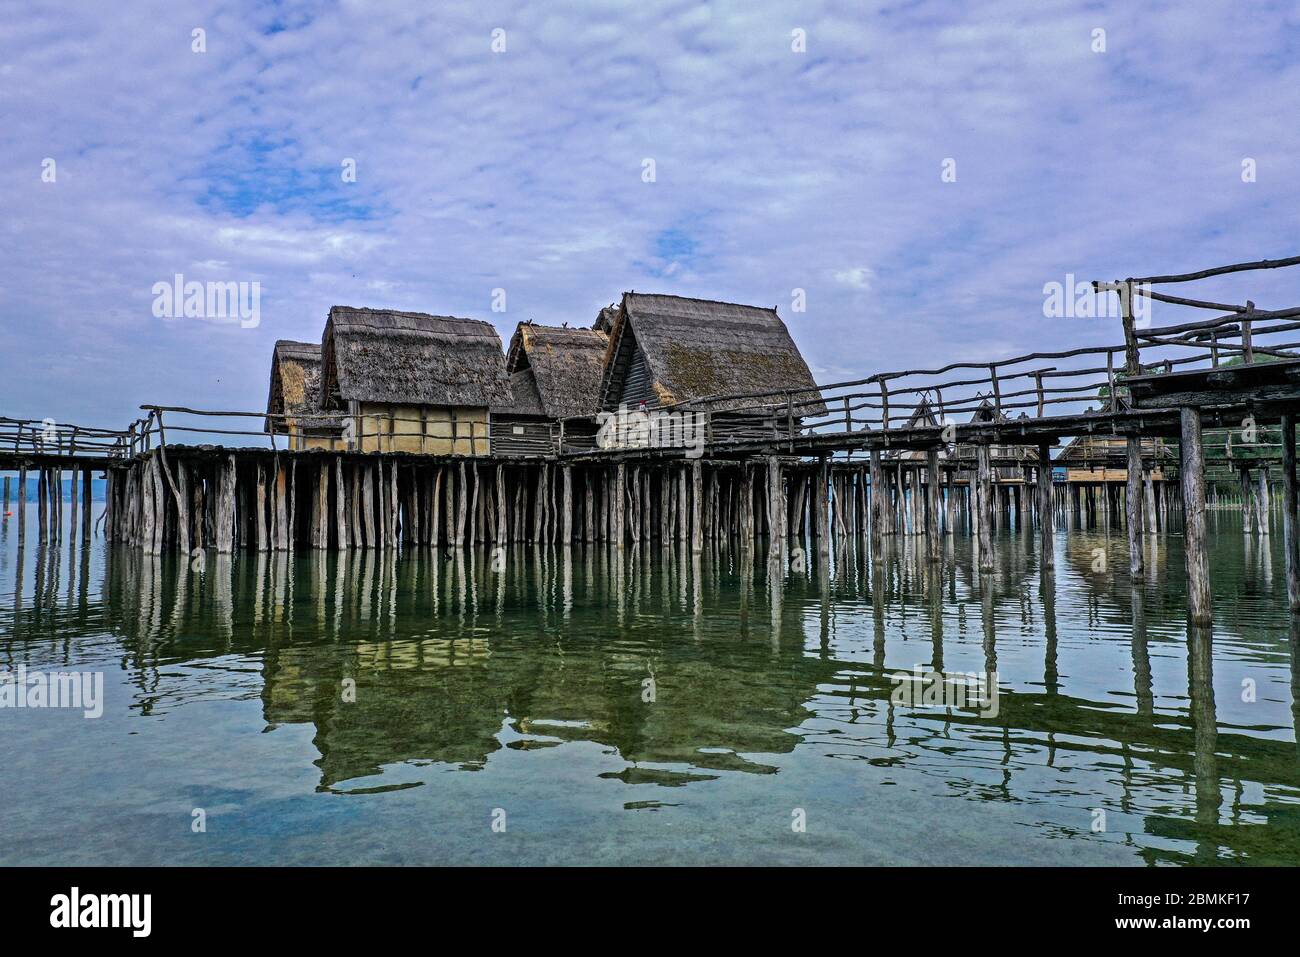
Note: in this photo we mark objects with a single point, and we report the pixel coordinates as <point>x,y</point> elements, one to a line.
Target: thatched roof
<point>526,401</point>
<point>698,348</point>
<point>380,355</point>
<point>295,386</point>
<point>605,318</point>
<point>986,411</point>
<point>567,366</point>
<point>923,416</point>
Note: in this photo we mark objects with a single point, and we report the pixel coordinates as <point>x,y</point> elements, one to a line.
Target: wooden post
<point>72,510</point>
<point>1149,499</point>
<point>566,504</point>
<point>589,509</point>
<point>822,505</point>
<point>259,497</point>
<point>1133,506</point>
<point>697,504</point>
<point>619,494</point>
<point>1263,505</point>
<point>22,504</point>
<point>984,506</point>
<point>340,506</point>
<point>1046,522</point>
<point>368,503</point>
<point>42,507</point>
<point>87,496</point>
<point>1289,517</point>
<point>950,503</point>
<point>746,506</point>
<point>462,505</point>
<point>473,501</point>
<point>502,526</point>
<point>1193,475</point>
<point>182,508</point>
<point>877,512</point>
<point>435,507</point>
<point>226,507</point>
<point>932,500</point>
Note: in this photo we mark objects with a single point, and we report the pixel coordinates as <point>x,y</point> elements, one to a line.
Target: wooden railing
<point>47,437</point>
<point>1035,386</point>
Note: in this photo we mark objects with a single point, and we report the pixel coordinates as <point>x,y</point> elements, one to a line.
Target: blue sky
<point>523,170</point>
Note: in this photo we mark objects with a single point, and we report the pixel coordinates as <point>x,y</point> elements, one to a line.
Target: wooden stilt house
<point>555,376</point>
<point>412,382</point>
<point>676,353</point>
<point>295,395</point>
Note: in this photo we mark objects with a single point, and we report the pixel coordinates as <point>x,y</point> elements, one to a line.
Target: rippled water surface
<point>657,710</point>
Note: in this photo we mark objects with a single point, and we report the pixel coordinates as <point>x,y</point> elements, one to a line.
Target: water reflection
<point>725,666</point>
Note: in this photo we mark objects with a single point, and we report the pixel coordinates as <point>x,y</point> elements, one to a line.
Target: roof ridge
<point>716,302</point>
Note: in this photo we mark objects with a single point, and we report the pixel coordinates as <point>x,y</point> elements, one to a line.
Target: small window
<point>517,429</point>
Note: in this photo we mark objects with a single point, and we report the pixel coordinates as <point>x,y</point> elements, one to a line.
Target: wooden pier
<point>964,447</point>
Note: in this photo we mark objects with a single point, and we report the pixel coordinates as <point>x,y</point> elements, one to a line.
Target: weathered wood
<point>462,504</point>
<point>1290,545</point>
<point>502,526</point>
<point>291,513</point>
<point>746,520</point>
<point>620,493</point>
<point>22,505</point>
<point>1046,519</point>
<point>368,508</point>
<point>437,495</point>
<point>1133,506</point>
<point>932,501</point>
<point>878,493</point>
<point>1193,483</point>
<point>259,522</point>
<point>473,503</point>
<point>697,503</point>
<point>73,501</point>
<point>42,506</point>
<point>182,507</point>
<point>87,497</point>
<point>226,507</point>
<point>1149,501</point>
<point>822,505</point>
<point>984,507</point>
<point>341,537</point>
<point>1264,505</point>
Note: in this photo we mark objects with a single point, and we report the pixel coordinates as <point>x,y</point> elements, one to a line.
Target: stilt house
<point>412,382</point>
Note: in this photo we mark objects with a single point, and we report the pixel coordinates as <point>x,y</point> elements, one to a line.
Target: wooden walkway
<point>935,449</point>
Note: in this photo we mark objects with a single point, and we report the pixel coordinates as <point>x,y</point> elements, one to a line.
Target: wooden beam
<point>1193,476</point>
<point>1133,507</point>
<point>1289,516</point>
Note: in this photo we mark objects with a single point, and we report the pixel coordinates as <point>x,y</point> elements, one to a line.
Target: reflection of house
<point>294,394</point>
<point>665,350</point>
<point>555,375</point>
<point>413,382</point>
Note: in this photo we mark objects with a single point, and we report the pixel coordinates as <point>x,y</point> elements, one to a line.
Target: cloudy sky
<point>523,169</point>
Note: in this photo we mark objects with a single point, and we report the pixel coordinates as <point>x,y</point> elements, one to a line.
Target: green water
<point>661,710</point>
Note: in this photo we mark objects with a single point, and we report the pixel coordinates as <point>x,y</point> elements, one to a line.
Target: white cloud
<point>522,170</point>
<point>859,277</point>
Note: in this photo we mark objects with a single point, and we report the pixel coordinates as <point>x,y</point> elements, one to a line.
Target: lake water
<point>424,707</point>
